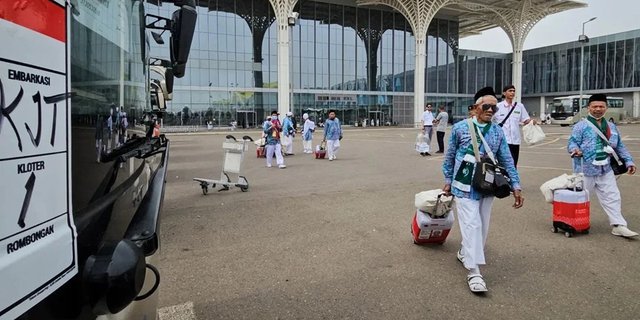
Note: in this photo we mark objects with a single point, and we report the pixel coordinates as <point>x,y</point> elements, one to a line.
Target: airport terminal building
<point>360,59</point>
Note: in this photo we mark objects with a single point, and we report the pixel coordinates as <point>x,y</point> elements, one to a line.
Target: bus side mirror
<point>183,27</point>
<point>114,276</point>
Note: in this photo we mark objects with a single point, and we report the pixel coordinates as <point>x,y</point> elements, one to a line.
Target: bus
<point>83,166</point>
<point>566,111</point>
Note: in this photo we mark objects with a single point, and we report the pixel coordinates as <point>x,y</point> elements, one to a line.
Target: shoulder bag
<point>489,178</point>
<point>515,104</point>
<point>617,164</point>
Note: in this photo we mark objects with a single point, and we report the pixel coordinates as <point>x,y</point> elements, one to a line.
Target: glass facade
<point>361,62</point>
<point>357,60</point>
<point>609,62</point>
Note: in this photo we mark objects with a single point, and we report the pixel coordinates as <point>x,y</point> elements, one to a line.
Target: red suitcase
<point>261,152</point>
<point>571,212</point>
<point>426,229</point>
<point>321,150</point>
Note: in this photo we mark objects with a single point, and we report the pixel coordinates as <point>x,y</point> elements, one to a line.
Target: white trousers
<point>606,188</point>
<point>289,147</point>
<point>473,217</point>
<point>277,149</point>
<point>332,147</point>
<point>287,142</point>
<point>306,145</point>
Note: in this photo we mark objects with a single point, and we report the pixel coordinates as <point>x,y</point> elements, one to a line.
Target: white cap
<point>305,116</point>
<point>289,113</point>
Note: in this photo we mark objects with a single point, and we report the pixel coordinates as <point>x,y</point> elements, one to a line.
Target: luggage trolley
<point>233,155</point>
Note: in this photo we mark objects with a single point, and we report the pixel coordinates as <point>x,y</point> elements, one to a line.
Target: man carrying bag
<point>600,145</point>
<point>460,162</point>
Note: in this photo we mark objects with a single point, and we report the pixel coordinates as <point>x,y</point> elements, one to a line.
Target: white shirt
<point>511,127</point>
<point>427,118</point>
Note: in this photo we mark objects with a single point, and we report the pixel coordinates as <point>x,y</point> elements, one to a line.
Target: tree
<point>186,115</point>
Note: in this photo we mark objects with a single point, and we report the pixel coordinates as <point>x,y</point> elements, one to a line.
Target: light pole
<point>291,21</point>
<point>582,39</point>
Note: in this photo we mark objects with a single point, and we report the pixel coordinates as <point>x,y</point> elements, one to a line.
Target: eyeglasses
<point>486,107</point>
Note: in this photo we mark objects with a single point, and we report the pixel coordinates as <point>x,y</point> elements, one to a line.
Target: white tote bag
<point>532,133</point>
<point>427,201</point>
<point>561,182</point>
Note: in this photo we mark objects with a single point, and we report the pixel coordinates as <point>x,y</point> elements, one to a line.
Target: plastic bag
<point>562,182</point>
<point>532,133</point>
<point>427,201</point>
<point>422,143</point>
<point>260,142</point>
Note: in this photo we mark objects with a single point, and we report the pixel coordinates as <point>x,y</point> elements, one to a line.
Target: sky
<point>613,16</point>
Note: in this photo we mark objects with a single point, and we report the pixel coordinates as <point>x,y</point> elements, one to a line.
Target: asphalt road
<point>331,240</point>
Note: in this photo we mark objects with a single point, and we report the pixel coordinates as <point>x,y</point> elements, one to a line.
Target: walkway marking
<point>545,143</point>
<point>178,312</point>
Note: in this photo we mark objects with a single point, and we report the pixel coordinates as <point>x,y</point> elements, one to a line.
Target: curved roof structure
<point>476,16</point>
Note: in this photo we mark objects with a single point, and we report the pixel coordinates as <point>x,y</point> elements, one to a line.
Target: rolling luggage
<point>428,229</point>
<point>261,152</point>
<point>434,217</point>
<point>321,150</point>
<point>571,211</point>
<point>571,208</point>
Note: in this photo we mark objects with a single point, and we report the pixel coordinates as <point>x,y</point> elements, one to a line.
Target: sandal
<point>476,284</point>
<point>460,256</point>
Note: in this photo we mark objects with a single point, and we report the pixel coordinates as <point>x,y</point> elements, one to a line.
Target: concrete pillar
<point>636,104</point>
<point>284,83</point>
<point>543,105</point>
<point>419,80</point>
<point>283,9</point>
<point>517,71</point>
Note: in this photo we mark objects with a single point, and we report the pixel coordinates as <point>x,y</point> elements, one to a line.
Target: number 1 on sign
<point>27,199</point>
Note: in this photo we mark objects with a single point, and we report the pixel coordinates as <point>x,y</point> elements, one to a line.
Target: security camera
<point>292,18</point>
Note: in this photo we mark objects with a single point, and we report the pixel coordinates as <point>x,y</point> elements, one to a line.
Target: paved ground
<point>330,240</point>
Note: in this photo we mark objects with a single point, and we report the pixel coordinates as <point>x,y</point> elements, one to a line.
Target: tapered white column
<point>419,14</point>
<point>517,20</point>
<point>284,83</point>
<point>517,73</point>
<point>283,9</point>
<point>636,104</point>
<point>419,80</point>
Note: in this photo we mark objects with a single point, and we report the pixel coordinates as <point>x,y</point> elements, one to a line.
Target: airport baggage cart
<point>232,164</point>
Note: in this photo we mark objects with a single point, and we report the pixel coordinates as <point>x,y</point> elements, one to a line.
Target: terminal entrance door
<point>246,119</point>
<point>375,118</point>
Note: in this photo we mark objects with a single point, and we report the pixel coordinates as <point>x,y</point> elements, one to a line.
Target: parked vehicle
<point>83,166</point>
<point>568,110</point>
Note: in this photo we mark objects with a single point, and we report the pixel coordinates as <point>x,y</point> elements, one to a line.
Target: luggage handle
<point>438,199</point>
<point>580,174</point>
